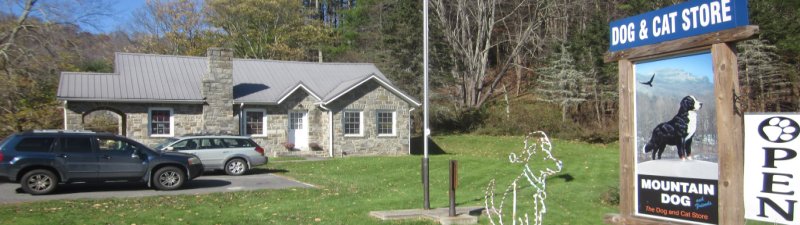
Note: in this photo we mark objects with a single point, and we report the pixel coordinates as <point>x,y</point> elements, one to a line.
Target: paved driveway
<point>208,183</point>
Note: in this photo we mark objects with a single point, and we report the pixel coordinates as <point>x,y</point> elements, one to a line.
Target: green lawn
<point>348,188</point>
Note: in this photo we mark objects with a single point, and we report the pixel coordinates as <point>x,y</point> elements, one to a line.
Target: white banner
<point>772,167</point>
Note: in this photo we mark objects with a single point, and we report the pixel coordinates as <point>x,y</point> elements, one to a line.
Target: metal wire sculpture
<point>535,143</point>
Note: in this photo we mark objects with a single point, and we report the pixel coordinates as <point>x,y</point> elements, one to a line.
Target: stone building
<point>326,109</point>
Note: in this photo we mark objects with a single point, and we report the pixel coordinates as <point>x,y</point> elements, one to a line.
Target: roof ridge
<point>158,55</point>
<point>87,73</point>
<point>305,62</point>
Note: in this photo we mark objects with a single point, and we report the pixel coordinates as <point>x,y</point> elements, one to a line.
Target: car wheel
<point>168,178</point>
<point>39,182</point>
<point>235,167</point>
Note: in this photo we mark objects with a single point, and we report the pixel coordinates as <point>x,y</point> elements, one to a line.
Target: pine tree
<point>562,83</point>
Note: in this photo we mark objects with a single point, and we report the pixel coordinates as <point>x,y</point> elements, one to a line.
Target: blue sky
<point>697,64</point>
<point>121,14</point>
<point>124,10</point>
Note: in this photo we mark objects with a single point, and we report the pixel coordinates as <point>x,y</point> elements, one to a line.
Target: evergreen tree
<point>562,83</point>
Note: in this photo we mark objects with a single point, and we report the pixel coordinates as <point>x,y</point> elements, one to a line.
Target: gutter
<point>179,101</point>
<point>241,119</point>
<point>410,123</point>
<point>330,128</point>
<point>65,114</point>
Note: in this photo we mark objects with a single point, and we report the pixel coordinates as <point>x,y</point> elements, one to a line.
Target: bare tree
<point>471,29</point>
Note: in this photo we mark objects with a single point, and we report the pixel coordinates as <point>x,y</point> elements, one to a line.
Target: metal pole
<point>453,186</point>
<point>427,131</point>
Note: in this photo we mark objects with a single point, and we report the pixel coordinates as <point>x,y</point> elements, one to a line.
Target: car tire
<point>236,167</point>
<point>39,182</point>
<point>168,178</point>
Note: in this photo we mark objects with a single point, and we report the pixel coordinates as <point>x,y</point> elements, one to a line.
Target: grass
<point>348,188</point>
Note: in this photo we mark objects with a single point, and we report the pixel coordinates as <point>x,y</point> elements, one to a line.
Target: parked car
<point>233,154</point>
<point>41,160</point>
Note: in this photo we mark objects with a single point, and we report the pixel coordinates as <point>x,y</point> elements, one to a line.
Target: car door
<point>119,158</point>
<point>192,146</point>
<point>214,151</point>
<point>78,157</point>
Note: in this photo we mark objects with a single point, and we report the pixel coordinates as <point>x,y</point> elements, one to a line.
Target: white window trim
<point>394,124</point>
<point>171,122</point>
<point>360,124</point>
<point>264,123</point>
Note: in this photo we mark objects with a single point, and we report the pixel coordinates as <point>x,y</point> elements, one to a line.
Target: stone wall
<point>370,98</point>
<point>278,123</point>
<point>217,89</point>
<point>188,118</point>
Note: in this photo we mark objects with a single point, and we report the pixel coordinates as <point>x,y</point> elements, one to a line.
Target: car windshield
<point>164,143</point>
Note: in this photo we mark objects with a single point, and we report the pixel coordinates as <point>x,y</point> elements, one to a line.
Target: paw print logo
<point>778,129</point>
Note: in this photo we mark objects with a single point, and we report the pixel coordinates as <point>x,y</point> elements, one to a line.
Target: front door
<point>298,129</point>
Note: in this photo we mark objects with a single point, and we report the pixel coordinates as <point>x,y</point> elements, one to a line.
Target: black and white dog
<point>678,131</point>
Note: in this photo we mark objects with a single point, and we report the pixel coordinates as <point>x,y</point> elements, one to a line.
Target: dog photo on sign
<point>675,115</point>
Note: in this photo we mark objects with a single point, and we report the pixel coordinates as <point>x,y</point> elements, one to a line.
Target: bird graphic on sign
<point>649,83</point>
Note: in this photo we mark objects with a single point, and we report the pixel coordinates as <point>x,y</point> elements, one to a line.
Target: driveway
<point>210,182</point>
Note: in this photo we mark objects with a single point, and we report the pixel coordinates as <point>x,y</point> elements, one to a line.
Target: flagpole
<point>427,131</point>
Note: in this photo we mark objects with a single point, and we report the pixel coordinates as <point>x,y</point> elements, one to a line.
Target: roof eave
<point>382,83</point>
<point>176,101</point>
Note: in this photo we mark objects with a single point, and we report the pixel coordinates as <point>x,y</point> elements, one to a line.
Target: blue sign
<point>678,21</point>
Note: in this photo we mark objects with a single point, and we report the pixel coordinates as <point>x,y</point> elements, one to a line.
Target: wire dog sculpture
<point>535,143</point>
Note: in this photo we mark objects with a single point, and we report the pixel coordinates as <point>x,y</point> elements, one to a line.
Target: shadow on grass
<point>418,147</point>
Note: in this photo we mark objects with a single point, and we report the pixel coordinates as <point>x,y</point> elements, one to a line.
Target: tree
<point>561,83</point>
<point>271,29</point>
<point>762,75</point>
<point>175,27</point>
<point>470,28</point>
<point>37,43</point>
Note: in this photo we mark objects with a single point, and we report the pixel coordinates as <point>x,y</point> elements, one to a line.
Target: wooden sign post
<point>680,128</point>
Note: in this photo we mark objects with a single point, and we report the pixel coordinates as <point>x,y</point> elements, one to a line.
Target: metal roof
<point>177,79</point>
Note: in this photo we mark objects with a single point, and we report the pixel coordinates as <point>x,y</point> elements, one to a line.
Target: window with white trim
<point>161,122</point>
<point>385,123</point>
<point>353,123</point>
<point>255,122</point>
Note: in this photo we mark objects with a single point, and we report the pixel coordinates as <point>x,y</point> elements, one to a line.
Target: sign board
<point>687,19</point>
<point>676,169</point>
<point>772,167</point>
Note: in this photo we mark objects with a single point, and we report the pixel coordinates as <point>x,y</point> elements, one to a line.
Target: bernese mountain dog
<point>677,132</point>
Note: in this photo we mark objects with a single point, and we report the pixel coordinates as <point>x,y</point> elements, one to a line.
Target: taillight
<point>258,149</point>
<point>1,156</point>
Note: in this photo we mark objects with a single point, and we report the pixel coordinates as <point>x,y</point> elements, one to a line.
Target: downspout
<point>241,119</point>
<point>410,125</point>
<point>330,129</point>
<point>65,114</point>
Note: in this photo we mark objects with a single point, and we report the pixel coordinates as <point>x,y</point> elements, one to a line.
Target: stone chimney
<point>217,89</point>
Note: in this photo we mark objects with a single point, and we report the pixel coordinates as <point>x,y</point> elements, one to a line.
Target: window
<point>76,145</point>
<point>211,143</point>
<point>237,143</point>
<point>161,122</point>
<point>255,122</point>
<point>113,145</point>
<point>190,144</point>
<point>296,120</point>
<point>385,123</point>
<point>353,123</point>
<point>37,144</point>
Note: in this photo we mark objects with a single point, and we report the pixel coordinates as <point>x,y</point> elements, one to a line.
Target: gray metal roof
<point>168,78</point>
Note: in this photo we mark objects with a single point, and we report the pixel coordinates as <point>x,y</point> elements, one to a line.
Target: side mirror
<point>168,148</point>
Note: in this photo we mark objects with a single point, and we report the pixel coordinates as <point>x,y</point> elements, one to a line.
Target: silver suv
<point>233,154</point>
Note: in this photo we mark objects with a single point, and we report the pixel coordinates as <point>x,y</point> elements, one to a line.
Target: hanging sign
<point>678,21</point>
<point>772,167</point>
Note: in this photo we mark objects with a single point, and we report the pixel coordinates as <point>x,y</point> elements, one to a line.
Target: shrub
<point>288,145</point>
<point>314,146</point>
